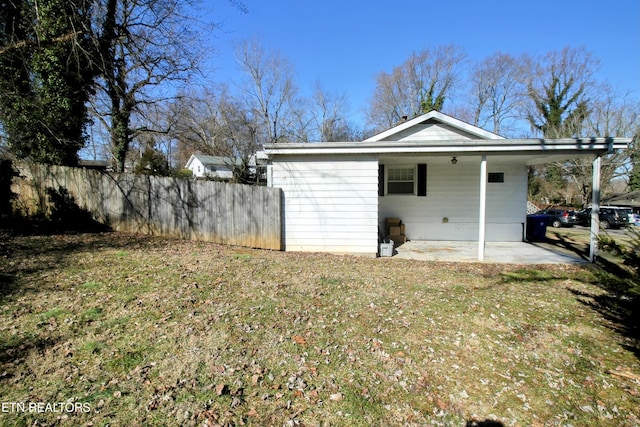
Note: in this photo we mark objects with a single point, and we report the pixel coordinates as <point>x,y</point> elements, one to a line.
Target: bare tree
<point>215,123</point>
<point>196,123</point>
<point>242,140</point>
<point>612,114</point>
<point>143,45</point>
<point>422,83</point>
<point>390,101</point>
<point>330,116</point>
<point>433,74</point>
<point>268,90</point>
<point>615,114</point>
<point>497,92</point>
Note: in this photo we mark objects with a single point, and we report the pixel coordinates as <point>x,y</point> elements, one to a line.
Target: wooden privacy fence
<point>231,214</point>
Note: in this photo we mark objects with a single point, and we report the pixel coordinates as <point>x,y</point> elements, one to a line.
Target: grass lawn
<point>580,235</point>
<point>124,330</point>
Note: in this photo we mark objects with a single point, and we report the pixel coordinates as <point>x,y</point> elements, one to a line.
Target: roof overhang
<point>536,150</point>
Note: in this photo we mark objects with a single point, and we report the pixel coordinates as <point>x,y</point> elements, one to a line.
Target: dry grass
<point>149,331</point>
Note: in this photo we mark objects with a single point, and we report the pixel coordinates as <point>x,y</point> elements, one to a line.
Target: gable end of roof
<point>435,117</point>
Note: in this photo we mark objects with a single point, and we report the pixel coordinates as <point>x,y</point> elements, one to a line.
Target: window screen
<point>400,180</point>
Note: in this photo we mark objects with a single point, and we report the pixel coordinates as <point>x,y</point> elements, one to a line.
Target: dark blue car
<point>559,217</point>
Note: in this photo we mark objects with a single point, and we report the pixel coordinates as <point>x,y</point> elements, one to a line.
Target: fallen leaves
<point>222,337</point>
<point>221,389</point>
<point>299,340</point>
<point>336,397</point>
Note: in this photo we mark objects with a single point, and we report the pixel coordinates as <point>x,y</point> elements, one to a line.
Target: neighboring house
<point>222,167</point>
<point>444,178</point>
<point>630,199</point>
<point>211,166</point>
<point>99,165</point>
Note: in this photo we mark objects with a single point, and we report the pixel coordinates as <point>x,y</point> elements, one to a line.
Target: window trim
<point>420,178</point>
<point>388,172</point>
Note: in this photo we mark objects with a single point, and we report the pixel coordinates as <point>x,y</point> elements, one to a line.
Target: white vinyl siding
<point>431,132</point>
<point>451,210</point>
<point>331,204</point>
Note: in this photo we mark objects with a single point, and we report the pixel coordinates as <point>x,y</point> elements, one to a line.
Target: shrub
<point>629,276</point>
<point>621,281</point>
<point>183,173</point>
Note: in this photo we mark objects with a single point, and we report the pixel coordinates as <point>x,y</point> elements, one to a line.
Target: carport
<point>446,180</point>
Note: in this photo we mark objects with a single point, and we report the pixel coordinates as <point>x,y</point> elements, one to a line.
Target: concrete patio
<point>495,252</point>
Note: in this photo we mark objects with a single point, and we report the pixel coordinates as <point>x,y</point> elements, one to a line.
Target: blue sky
<point>344,44</point>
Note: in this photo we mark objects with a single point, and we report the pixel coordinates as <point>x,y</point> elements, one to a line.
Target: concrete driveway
<point>495,252</point>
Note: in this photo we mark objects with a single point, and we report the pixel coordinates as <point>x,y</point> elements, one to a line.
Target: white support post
<point>483,205</point>
<point>269,175</point>
<point>595,208</point>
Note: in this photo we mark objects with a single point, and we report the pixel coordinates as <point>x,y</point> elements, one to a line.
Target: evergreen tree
<point>428,103</point>
<point>47,78</point>
<point>561,112</point>
<point>557,89</point>
<point>153,161</point>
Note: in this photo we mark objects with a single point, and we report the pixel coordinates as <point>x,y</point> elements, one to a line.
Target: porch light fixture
<point>454,160</point>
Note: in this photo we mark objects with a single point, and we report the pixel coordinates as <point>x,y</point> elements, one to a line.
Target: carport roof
<point>538,150</point>
<point>435,133</point>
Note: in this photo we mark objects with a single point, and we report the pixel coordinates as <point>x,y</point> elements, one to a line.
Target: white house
<point>445,179</point>
<point>222,167</point>
<point>210,166</point>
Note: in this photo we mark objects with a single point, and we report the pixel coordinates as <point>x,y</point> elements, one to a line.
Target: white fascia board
<point>507,146</point>
<point>188,165</point>
<point>399,128</point>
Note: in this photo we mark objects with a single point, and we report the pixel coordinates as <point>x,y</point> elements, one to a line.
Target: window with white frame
<point>400,180</point>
